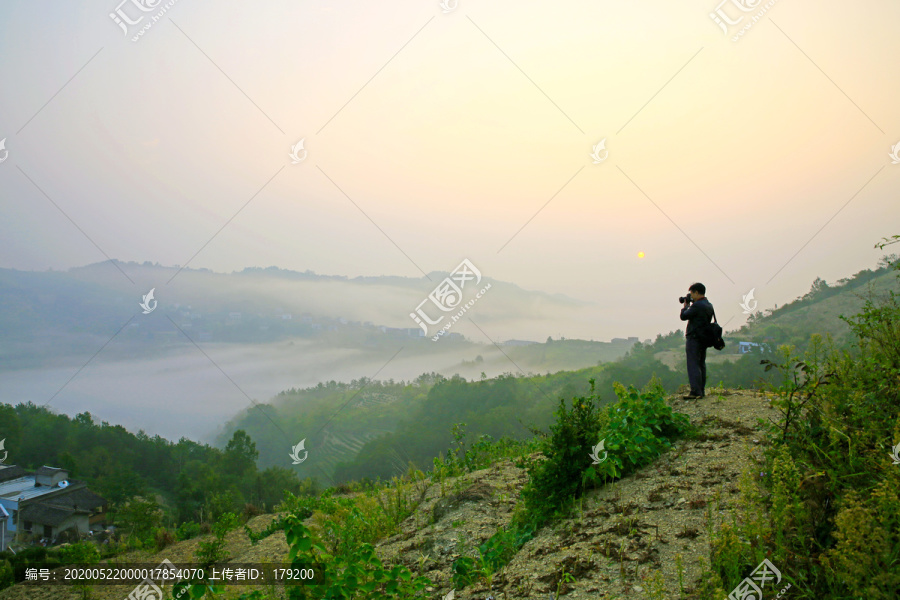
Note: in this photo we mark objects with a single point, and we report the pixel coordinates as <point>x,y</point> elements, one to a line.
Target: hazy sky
<point>434,137</point>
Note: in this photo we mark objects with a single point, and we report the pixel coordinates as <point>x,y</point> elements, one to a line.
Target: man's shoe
<point>691,397</point>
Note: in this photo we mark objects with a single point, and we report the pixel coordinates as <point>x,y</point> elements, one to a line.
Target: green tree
<point>11,432</point>
<point>141,516</point>
<point>241,454</point>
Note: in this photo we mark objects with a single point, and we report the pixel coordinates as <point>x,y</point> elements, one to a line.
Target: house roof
<point>14,488</point>
<point>48,514</point>
<point>45,470</point>
<point>24,488</point>
<point>80,498</point>
<point>9,472</point>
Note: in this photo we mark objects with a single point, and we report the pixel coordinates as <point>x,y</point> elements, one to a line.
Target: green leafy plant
<point>557,478</point>
<point>78,553</point>
<point>187,530</point>
<point>210,552</point>
<point>465,571</point>
<point>276,525</point>
<point>194,590</point>
<point>638,429</point>
<point>566,578</point>
<point>6,574</point>
<point>357,574</point>
<point>635,430</point>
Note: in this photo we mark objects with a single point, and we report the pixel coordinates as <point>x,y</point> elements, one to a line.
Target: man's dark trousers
<point>696,365</point>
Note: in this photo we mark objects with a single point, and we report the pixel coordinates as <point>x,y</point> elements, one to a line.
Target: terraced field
<point>343,446</point>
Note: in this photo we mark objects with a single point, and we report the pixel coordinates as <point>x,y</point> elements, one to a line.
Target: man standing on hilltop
<point>698,316</point>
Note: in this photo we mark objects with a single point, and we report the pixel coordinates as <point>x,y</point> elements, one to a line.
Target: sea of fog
<point>189,394</point>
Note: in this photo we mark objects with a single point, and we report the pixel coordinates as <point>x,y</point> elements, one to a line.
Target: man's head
<point>697,290</point>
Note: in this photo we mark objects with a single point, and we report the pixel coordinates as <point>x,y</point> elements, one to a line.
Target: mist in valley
<point>216,343</point>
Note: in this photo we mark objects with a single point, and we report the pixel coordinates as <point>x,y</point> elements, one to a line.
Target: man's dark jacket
<point>698,316</point>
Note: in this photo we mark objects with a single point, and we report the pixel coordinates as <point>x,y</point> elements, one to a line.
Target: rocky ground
<point>652,521</point>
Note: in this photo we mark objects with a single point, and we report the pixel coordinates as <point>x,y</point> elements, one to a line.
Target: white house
<point>745,347</point>
<point>46,503</point>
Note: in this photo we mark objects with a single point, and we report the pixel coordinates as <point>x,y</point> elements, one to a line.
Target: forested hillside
<point>819,310</point>
<point>189,479</point>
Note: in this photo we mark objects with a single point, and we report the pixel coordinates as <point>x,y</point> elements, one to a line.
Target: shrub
<point>275,525</point>
<point>213,551</point>
<point>556,479</point>
<point>357,574</point>
<point>79,553</point>
<point>635,430</point>
<point>640,425</point>
<point>250,511</point>
<point>6,574</point>
<point>864,561</point>
<point>163,538</point>
<point>188,530</point>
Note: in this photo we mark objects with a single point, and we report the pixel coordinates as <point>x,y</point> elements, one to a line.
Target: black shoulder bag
<point>712,334</point>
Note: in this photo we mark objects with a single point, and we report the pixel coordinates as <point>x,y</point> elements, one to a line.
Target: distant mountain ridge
<point>53,314</point>
<point>308,275</point>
